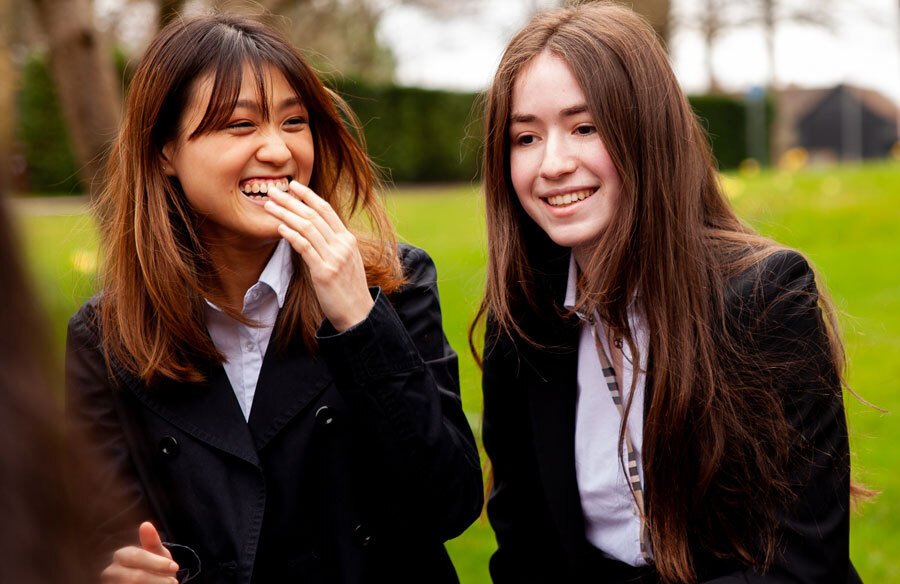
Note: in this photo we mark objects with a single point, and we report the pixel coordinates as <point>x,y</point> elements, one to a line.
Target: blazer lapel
<point>553,402</point>
<point>207,411</point>
<point>288,382</point>
<point>552,387</point>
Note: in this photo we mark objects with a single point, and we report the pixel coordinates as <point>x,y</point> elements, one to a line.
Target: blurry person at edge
<point>44,479</point>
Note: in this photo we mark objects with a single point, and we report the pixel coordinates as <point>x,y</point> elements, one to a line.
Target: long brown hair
<point>715,434</point>
<point>156,271</point>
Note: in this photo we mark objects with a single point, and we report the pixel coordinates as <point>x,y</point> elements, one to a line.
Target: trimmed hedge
<point>414,134</point>
<point>725,121</point>
<point>418,135</point>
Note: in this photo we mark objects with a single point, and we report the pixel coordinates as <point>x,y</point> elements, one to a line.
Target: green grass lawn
<point>845,219</point>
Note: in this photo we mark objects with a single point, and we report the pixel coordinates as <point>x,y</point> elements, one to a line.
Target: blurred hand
<point>151,563</point>
<point>329,250</point>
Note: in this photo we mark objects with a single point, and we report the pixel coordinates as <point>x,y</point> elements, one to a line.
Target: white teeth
<point>568,198</point>
<point>262,188</point>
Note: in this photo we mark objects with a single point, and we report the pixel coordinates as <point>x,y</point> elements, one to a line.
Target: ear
<point>166,157</point>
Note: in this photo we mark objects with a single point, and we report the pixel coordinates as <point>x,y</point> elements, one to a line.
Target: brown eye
<point>296,122</point>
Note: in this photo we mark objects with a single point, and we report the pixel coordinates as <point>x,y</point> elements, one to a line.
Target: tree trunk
<point>657,12</point>
<point>6,95</point>
<point>768,20</point>
<point>710,28</point>
<point>83,74</point>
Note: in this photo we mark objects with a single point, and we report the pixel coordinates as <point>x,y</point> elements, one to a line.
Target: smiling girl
<point>662,386</point>
<point>270,382</point>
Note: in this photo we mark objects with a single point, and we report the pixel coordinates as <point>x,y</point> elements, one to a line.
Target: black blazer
<point>357,463</point>
<point>529,435</point>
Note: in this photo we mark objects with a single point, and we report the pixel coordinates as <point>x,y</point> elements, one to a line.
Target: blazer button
<point>325,416</point>
<point>168,447</point>
<point>362,535</point>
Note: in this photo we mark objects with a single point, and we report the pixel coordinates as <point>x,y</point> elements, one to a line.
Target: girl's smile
<point>568,199</point>
<point>258,187</point>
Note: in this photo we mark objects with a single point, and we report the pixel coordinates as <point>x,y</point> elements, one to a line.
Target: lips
<point>258,188</point>
<point>567,199</point>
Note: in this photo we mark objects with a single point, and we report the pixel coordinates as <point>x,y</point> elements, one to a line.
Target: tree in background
<point>714,18</point>
<point>337,35</point>
<point>82,68</point>
<point>7,82</point>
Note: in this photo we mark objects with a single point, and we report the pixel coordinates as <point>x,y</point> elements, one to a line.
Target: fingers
<point>300,220</point>
<point>318,204</point>
<point>308,231</point>
<point>134,564</point>
<point>151,541</point>
<point>303,211</point>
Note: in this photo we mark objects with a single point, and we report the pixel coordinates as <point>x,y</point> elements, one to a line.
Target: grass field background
<point>847,221</point>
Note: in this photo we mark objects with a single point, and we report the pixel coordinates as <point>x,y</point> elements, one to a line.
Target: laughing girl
<point>265,369</point>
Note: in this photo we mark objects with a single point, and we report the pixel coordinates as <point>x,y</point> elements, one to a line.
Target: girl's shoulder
<point>774,273</point>
<point>86,321</point>
<point>418,267</point>
<point>776,291</point>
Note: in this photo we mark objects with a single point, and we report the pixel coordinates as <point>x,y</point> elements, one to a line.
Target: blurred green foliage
<point>416,135</point>
<point>41,134</point>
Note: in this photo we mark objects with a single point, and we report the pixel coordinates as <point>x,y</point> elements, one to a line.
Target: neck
<point>582,256</point>
<point>239,268</point>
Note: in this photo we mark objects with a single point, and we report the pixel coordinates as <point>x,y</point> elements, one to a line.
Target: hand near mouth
<point>329,250</point>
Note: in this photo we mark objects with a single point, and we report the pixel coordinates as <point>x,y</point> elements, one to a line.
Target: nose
<point>558,159</point>
<point>273,149</point>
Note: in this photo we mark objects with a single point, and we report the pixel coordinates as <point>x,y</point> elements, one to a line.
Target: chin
<point>564,241</point>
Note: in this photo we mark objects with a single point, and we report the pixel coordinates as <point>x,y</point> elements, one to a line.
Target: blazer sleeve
<point>814,546</point>
<point>527,550</point>
<point>93,421</point>
<point>402,377</point>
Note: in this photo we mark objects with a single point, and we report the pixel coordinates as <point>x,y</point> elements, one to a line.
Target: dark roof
<point>796,102</point>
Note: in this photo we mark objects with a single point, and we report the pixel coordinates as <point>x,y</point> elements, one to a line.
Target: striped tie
<point>634,477</point>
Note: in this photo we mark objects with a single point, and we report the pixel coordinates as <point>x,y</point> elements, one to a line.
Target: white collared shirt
<point>611,518</point>
<point>245,346</point>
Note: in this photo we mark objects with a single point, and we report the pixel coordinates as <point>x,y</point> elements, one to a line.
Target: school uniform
<point>537,506</point>
<point>354,464</point>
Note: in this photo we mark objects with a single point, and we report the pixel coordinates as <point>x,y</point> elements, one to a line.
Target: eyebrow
<point>566,113</point>
<point>285,104</point>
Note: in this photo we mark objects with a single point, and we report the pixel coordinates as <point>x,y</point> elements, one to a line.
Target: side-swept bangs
<point>237,50</point>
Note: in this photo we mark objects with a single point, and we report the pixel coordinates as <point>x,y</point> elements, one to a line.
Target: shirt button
<point>250,345</point>
<point>168,446</point>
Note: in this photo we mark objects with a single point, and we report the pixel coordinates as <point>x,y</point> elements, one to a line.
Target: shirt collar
<point>276,275</point>
<point>278,272</point>
<point>572,291</point>
<point>571,285</point>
